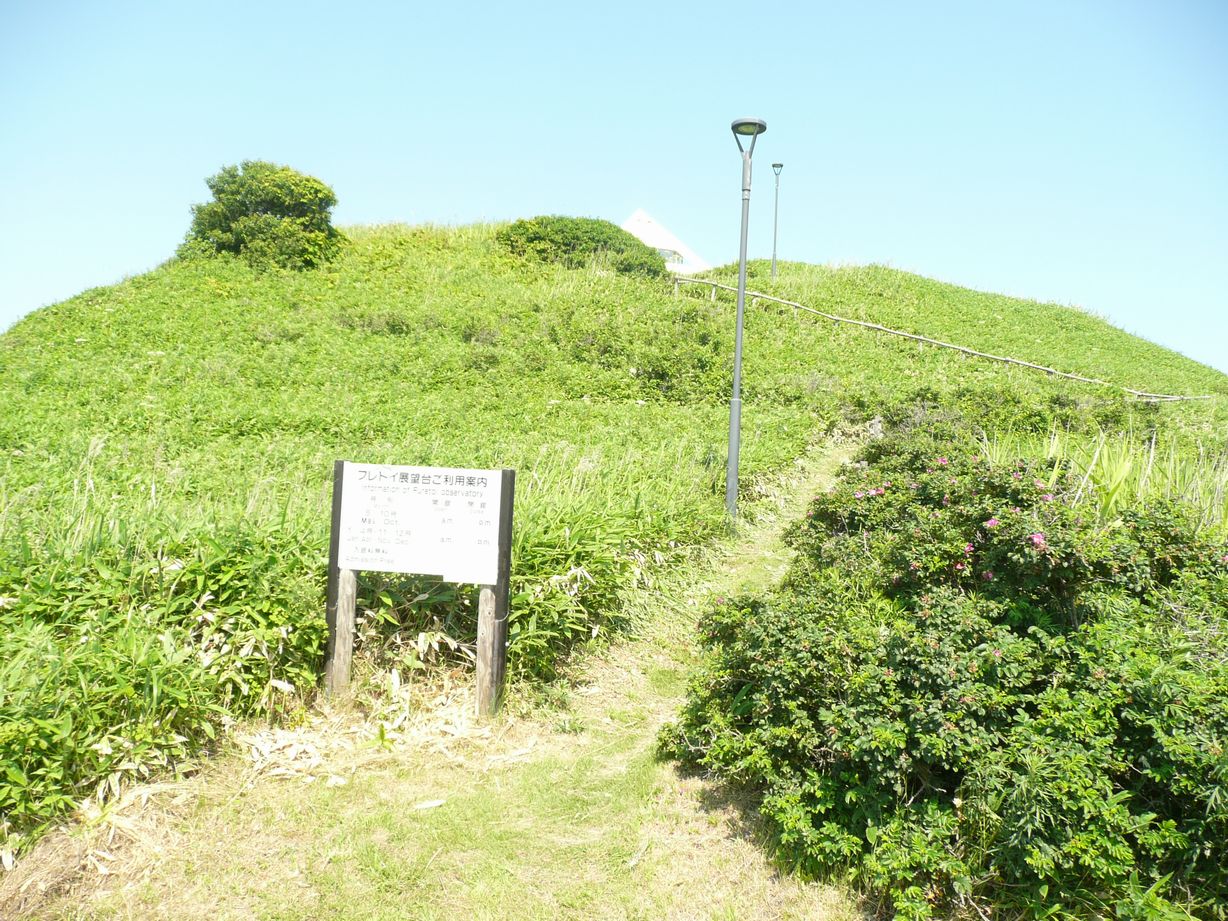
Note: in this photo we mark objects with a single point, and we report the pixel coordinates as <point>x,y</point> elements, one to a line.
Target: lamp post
<point>742,128</point>
<point>776,168</point>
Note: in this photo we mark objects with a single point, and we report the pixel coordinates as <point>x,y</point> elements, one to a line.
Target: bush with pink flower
<point>974,701</point>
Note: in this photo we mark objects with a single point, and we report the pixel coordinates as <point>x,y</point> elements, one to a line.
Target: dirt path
<point>562,811</point>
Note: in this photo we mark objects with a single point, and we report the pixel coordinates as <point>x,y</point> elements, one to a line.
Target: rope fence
<point>759,296</point>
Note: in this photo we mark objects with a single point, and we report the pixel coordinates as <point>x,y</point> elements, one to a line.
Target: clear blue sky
<point>1067,151</point>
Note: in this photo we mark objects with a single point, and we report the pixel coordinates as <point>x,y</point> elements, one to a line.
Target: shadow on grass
<point>736,808</point>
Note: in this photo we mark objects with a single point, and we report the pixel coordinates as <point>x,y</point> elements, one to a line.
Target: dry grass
<point>121,845</point>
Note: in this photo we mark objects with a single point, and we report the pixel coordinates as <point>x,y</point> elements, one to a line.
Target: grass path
<point>558,811</point>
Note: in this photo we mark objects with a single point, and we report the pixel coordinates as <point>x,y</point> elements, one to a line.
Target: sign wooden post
<point>431,521</point>
<point>342,600</point>
<point>493,610</point>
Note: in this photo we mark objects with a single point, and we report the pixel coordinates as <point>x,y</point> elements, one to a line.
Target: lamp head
<point>748,128</point>
<point>777,167</point>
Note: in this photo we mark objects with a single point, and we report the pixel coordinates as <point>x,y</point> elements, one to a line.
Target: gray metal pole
<point>735,405</point>
<point>775,221</point>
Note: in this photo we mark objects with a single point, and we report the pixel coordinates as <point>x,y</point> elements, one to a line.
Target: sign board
<point>431,521</point>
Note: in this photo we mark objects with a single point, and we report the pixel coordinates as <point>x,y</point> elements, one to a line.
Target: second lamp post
<point>776,168</point>
<point>742,128</point>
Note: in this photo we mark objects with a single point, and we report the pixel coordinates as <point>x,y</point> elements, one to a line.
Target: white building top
<point>679,258</point>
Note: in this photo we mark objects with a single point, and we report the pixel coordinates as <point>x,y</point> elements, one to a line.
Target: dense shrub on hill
<point>573,241</point>
<point>269,214</point>
<point>964,693</point>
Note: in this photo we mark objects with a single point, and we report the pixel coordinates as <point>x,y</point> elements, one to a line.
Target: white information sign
<point>433,521</point>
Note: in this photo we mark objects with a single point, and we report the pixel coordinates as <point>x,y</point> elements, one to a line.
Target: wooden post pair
<point>492,606</point>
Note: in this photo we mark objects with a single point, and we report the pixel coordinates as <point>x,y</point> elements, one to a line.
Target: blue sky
<point>1074,152</point>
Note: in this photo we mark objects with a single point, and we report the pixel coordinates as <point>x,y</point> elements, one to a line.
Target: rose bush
<point>967,693</point>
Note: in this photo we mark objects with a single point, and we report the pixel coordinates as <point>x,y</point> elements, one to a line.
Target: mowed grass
<point>166,446</point>
<point>584,824</point>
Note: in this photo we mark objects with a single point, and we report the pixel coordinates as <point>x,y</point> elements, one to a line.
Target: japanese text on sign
<point>434,521</point>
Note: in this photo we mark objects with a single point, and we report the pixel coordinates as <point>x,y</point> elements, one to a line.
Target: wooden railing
<point>756,296</point>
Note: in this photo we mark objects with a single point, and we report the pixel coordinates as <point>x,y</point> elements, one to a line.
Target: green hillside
<point>166,446</point>
<point>1063,338</point>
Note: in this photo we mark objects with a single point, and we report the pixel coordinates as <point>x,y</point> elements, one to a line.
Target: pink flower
<point>877,492</point>
<point>968,548</point>
<point>1015,509</point>
<point>959,567</point>
<point>946,500</point>
<point>1047,497</point>
<point>987,575</point>
<point>859,495</point>
<point>887,485</point>
<point>1017,475</point>
<point>942,461</point>
<point>997,653</point>
<point>1224,558</point>
<point>992,523</point>
<point>1038,541</point>
<point>914,565</point>
<point>1040,484</point>
<point>914,485</point>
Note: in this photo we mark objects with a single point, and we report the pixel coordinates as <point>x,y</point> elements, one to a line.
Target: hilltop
<point>166,446</point>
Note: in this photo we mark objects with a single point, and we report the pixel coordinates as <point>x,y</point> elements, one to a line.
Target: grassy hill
<point>1064,338</point>
<point>166,446</point>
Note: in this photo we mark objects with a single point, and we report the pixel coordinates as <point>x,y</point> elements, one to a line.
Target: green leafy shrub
<point>268,214</point>
<point>966,693</point>
<point>115,666</point>
<point>574,241</point>
<point>89,705</point>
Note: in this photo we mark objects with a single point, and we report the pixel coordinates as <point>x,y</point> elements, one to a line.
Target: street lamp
<point>742,128</point>
<point>776,168</point>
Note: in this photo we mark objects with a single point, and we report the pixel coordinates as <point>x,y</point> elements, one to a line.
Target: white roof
<point>679,258</point>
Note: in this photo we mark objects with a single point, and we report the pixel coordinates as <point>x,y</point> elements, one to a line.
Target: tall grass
<point>1119,471</point>
<point>133,625</point>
